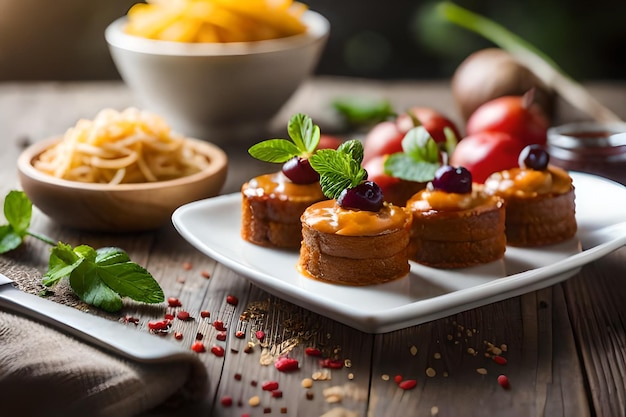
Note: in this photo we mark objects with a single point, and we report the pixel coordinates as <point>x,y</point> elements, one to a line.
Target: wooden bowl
<point>122,207</point>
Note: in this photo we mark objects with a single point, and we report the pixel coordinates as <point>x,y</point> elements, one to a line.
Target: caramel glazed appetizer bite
<point>539,198</point>
<point>455,224</point>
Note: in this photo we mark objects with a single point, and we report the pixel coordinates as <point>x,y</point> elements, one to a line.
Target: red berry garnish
<point>299,171</point>
<point>452,180</point>
<point>365,196</point>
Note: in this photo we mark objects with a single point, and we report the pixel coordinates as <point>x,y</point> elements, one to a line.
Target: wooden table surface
<point>565,344</point>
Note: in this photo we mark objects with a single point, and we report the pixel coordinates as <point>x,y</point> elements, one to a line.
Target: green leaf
<point>89,287</point>
<point>18,211</point>
<point>274,150</point>
<point>304,133</point>
<point>62,262</point>
<point>339,169</point>
<point>401,165</point>
<point>111,255</point>
<point>131,280</point>
<point>9,240</point>
<point>420,145</point>
<point>359,111</point>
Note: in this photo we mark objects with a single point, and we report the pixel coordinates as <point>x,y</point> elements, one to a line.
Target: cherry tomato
<point>329,142</point>
<point>386,137</point>
<point>515,115</point>
<point>484,153</point>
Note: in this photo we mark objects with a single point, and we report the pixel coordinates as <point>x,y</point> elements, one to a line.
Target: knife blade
<point>103,333</point>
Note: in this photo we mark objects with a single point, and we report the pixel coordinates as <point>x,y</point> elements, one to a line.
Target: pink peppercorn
<point>408,384</point>
<point>217,351</point>
<point>198,347</point>
<point>311,351</point>
<point>219,325</point>
<point>204,314</point>
<point>270,386</point>
<point>232,300</point>
<point>221,336</point>
<point>500,360</point>
<point>260,335</point>
<point>286,364</point>
<point>173,302</point>
<point>227,401</point>
<point>503,380</point>
<point>183,315</point>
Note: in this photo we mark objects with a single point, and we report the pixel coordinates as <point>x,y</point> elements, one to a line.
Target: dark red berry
<point>534,157</point>
<point>452,180</point>
<point>366,196</point>
<point>299,171</point>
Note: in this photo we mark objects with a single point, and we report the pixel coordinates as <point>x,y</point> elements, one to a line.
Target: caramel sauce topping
<point>528,183</point>
<point>427,200</point>
<point>328,217</point>
<point>277,185</point>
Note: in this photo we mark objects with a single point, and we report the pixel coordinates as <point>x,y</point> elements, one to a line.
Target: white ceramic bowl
<point>217,91</point>
<point>118,208</point>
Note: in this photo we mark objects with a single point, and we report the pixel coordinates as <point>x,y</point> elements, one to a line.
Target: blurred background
<point>388,39</point>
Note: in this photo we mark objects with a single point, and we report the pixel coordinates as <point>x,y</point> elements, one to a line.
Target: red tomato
<point>386,137</point>
<point>514,115</point>
<point>329,142</point>
<point>484,153</point>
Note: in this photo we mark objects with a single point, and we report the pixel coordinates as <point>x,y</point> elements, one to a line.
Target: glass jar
<point>592,147</point>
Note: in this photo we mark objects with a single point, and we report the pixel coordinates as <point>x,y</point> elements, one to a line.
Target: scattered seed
<point>168,316</point>
<point>219,325</point>
<point>237,377</point>
<point>481,371</point>
<point>205,314</point>
<point>205,274</point>
<point>198,347</point>
<point>239,334</point>
<point>199,336</point>
<point>286,364</point>
<point>130,319</point>
<point>500,360</point>
<point>267,410</point>
<point>159,325</point>
<point>277,394</point>
<point>254,383</point>
<point>249,348</point>
<point>269,386</point>
<point>283,410</point>
<point>408,384</point>
<point>217,351</point>
<point>437,355</point>
<point>309,395</point>
<point>174,302</point>
<point>471,351</point>
<point>384,377</point>
<point>307,383</point>
<point>254,401</point>
<point>226,401</point>
<point>312,351</point>
<point>398,379</point>
<point>430,372</point>
<point>503,380</point>
<point>178,336</point>
<point>413,350</point>
<point>331,363</point>
<point>221,336</point>
<point>504,347</point>
<point>187,266</point>
<point>434,410</point>
<point>232,300</point>
<point>260,335</point>
<point>183,315</point>
<point>350,376</point>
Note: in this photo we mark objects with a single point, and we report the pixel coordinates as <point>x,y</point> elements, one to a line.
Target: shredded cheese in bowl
<point>216,20</point>
<point>130,146</point>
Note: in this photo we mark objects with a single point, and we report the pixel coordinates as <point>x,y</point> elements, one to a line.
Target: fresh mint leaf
<point>418,144</point>
<point>89,287</point>
<point>18,211</point>
<point>451,141</point>
<point>9,240</point>
<point>305,136</point>
<point>339,169</point>
<point>131,280</point>
<point>359,111</point>
<point>63,260</point>
<point>403,166</point>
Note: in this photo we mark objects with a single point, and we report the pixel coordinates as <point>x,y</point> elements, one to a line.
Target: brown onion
<point>491,73</point>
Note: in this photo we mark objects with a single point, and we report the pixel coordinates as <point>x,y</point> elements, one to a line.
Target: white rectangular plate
<point>213,227</point>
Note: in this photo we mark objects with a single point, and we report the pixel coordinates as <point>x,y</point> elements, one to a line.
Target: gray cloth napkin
<point>45,372</point>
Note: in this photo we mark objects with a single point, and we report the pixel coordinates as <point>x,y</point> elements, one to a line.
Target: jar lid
<point>588,135</point>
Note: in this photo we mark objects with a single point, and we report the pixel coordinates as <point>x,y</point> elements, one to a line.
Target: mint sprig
<point>98,277</point>
<point>305,136</point>
<point>421,156</point>
<point>339,169</point>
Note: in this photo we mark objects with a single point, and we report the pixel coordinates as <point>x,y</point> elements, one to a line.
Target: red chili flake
<point>198,347</point>
<point>206,274</point>
<point>199,336</point>
<point>239,334</point>
<point>238,377</point>
<point>173,302</point>
<point>398,379</point>
<point>283,410</point>
<point>286,364</point>
<point>219,325</point>
<point>310,395</point>
<point>260,335</point>
<point>183,315</point>
<point>187,266</point>
<point>221,336</point>
<point>270,386</point>
<point>217,351</point>
<point>254,383</point>
<point>205,314</point>
<point>500,360</point>
<point>159,325</point>
<point>311,351</point>
<point>248,349</point>
<point>277,394</point>
<point>233,350</point>
<point>503,380</point>
<point>267,410</point>
<point>130,319</point>
<point>178,336</point>
<point>408,384</point>
<point>168,316</point>
<point>232,300</point>
<point>226,401</point>
<point>331,363</point>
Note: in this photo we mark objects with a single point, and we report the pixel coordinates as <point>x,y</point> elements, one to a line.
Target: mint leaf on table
<point>98,277</point>
<point>358,111</point>
<point>339,169</point>
<point>305,136</point>
<point>18,212</point>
